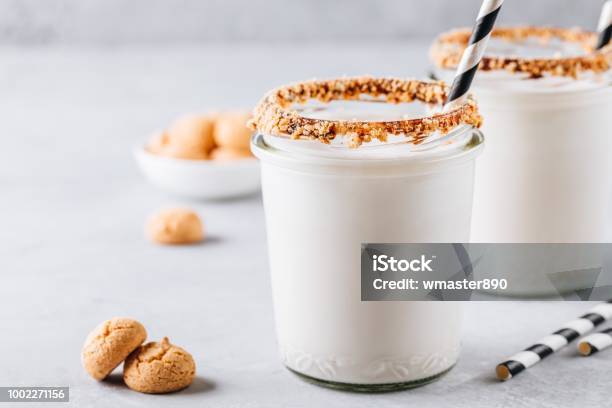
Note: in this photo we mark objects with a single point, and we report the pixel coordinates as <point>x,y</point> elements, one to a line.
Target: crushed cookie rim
<point>273,114</point>
<point>447,49</point>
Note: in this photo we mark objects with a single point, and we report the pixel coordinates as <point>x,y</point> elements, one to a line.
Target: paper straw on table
<point>595,342</point>
<point>604,28</point>
<point>473,53</point>
<point>556,341</point>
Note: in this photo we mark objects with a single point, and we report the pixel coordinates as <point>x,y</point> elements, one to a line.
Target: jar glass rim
<point>460,144</point>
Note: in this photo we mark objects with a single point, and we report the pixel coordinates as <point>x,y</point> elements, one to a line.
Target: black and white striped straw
<point>473,53</point>
<point>604,28</point>
<point>595,342</point>
<point>556,341</point>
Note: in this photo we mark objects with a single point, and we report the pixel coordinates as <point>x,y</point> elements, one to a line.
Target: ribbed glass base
<point>371,388</point>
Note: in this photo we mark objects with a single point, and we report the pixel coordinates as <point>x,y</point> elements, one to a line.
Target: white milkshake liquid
<point>545,174</point>
<point>322,202</point>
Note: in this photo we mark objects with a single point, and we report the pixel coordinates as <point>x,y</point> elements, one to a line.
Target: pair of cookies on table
<point>214,136</point>
<point>154,367</point>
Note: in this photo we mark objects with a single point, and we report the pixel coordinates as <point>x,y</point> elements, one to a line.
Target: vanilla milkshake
<point>545,175</point>
<point>345,171</point>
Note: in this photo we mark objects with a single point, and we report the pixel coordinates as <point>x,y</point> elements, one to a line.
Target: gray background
<point>73,203</point>
<point>195,21</point>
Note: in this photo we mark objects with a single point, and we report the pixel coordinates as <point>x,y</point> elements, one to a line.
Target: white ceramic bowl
<point>200,179</point>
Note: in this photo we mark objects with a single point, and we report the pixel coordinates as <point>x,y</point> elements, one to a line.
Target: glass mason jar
<point>321,203</point>
<point>546,172</point>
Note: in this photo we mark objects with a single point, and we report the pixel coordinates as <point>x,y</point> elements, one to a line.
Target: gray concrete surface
<point>196,21</point>
<point>72,252</point>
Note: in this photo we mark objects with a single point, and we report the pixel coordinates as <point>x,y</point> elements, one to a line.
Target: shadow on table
<point>114,380</point>
<point>199,384</point>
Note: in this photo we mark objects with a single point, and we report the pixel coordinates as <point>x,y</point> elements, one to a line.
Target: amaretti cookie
<point>231,130</point>
<point>157,368</point>
<point>109,344</point>
<point>189,137</point>
<point>175,226</point>
<point>227,154</point>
